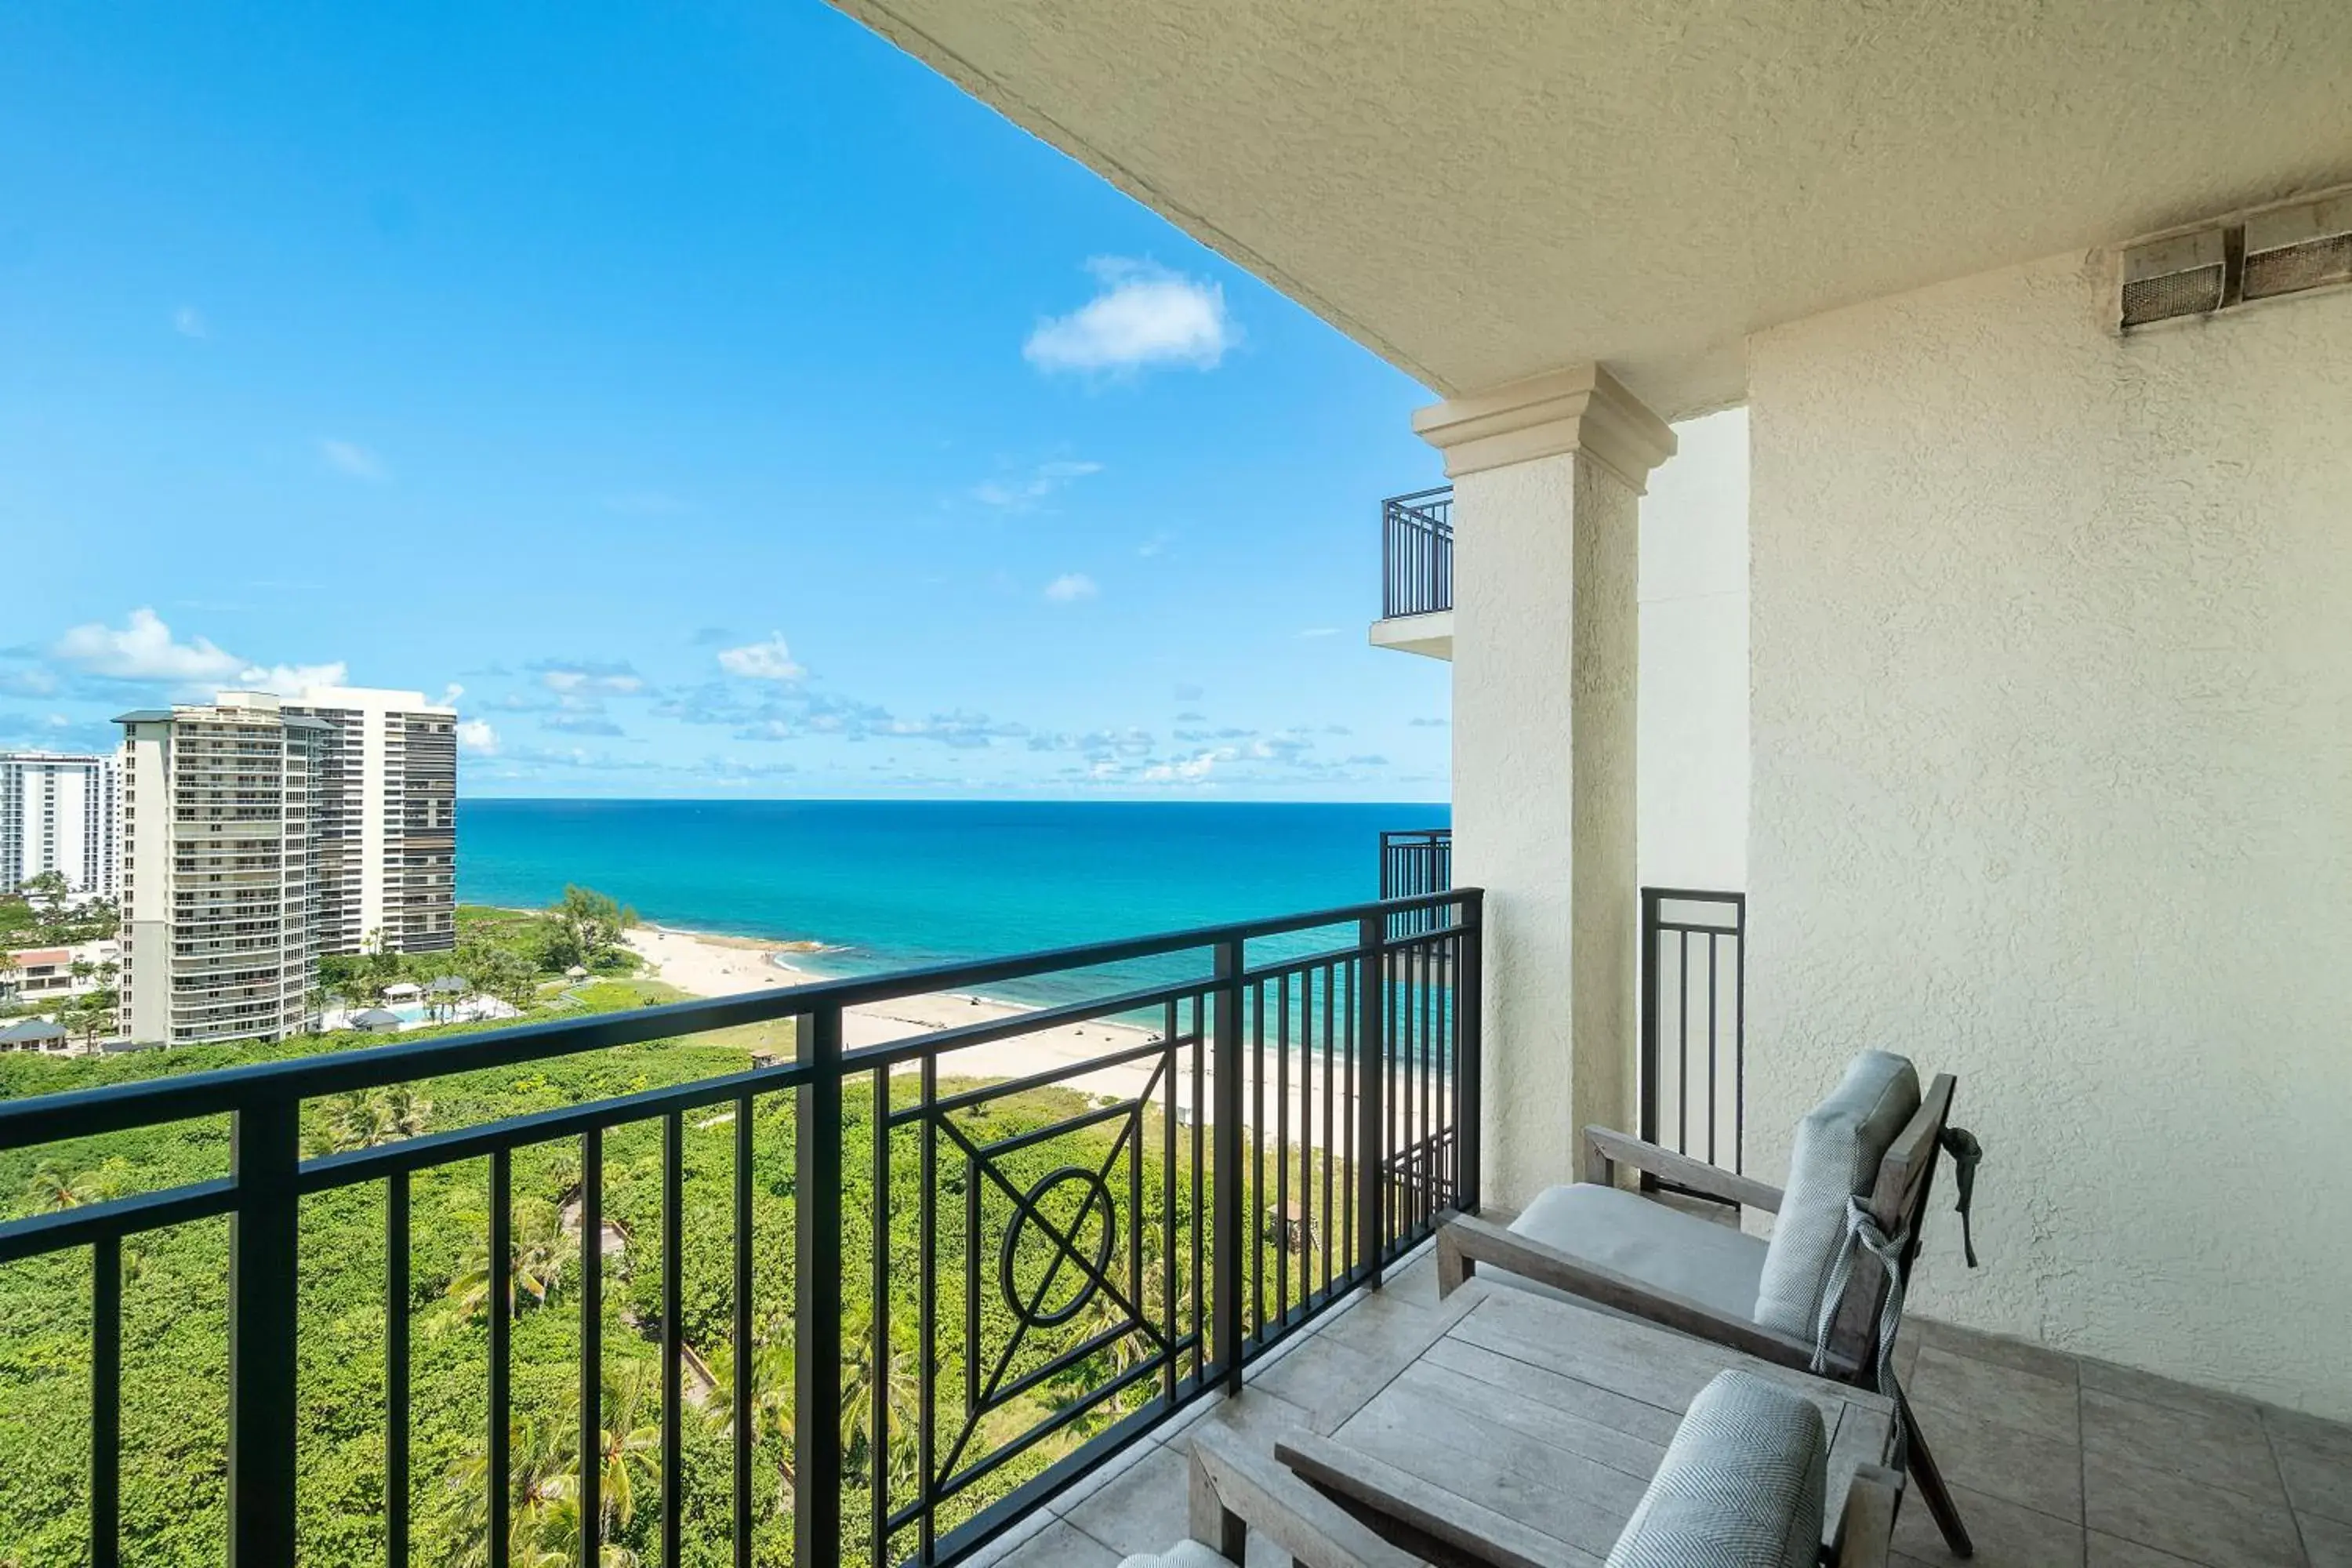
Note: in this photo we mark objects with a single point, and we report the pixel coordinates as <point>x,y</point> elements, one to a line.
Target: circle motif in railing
<point>1059,1248</point>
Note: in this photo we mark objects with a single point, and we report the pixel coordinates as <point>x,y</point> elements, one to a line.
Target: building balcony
<point>1417,574</point>
<point>1259,1122</point>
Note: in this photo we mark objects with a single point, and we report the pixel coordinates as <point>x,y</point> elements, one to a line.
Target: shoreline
<point>706,966</point>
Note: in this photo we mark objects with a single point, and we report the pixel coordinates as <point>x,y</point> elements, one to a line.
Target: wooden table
<point>1526,1433</point>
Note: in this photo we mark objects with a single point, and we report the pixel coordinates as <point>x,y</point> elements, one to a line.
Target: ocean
<point>892,884</point>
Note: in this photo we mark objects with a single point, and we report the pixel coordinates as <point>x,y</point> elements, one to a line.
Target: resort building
<point>219,917</point>
<point>384,819</point>
<point>42,975</point>
<point>57,813</point>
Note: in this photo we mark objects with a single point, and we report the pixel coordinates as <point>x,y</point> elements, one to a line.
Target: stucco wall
<point>1546,558</point>
<point>2053,789</point>
<point>1694,706</point>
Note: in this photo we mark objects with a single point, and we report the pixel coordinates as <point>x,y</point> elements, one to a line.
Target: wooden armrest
<point>1234,1491</point>
<point>1463,1242</point>
<point>1605,1147</point>
<point>1865,1533</point>
<point>1469,1530</point>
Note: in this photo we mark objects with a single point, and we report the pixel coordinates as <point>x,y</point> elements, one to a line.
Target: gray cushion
<point>1839,1146</point>
<point>1184,1555</point>
<point>1712,1264</point>
<point>1741,1485</point>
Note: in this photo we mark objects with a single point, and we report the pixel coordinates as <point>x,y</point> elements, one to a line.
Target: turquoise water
<point>889,884</point>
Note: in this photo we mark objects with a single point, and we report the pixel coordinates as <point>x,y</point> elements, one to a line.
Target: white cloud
<point>291,679</point>
<point>450,694</point>
<point>1155,545</point>
<point>1145,315</point>
<point>769,660</point>
<point>1023,492</point>
<point>575,680</point>
<point>475,735</point>
<point>189,322</point>
<point>352,458</point>
<point>144,649</point>
<point>1071,586</point>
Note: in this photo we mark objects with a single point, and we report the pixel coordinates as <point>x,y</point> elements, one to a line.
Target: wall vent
<point>2166,279</point>
<point>2289,249</point>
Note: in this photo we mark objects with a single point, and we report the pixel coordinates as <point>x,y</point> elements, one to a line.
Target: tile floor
<point>2058,1461</point>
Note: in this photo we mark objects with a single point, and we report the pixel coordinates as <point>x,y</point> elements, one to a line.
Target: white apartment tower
<point>219,906</point>
<point>57,813</point>
<point>384,816</point>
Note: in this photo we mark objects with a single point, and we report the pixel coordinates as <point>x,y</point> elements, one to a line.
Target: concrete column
<point>1548,477</point>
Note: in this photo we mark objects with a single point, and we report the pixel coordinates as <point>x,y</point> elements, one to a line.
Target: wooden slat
<point>1468,1526</point>
<point>1468,1362</point>
<point>1508,1410</point>
<point>1235,1493</point>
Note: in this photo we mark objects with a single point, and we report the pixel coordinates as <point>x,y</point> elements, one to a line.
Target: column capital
<point>1581,409</point>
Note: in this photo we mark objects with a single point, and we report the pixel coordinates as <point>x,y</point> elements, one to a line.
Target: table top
<point>1536,1424</point>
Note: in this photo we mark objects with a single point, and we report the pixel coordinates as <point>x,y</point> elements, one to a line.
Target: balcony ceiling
<point>1480,190</point>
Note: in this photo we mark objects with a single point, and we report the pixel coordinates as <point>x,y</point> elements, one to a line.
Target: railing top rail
<point>1411,500</point>
<point>114,1108</point>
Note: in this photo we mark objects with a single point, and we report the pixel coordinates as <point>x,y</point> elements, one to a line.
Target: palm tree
<point>541,1472</point>
<point>367,1117</point>
<point>51,1189</point>
<point>772,1370</point>
<point>628,1438</point>
<point>902,1399</point>
<point>535,1261</point>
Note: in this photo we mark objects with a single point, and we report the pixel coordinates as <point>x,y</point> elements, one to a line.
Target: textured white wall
<point>1546,556</point>
<point>1694,709</point>
<point>2053,789</point>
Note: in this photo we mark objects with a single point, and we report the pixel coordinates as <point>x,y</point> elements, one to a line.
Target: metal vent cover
<point>2294,248</point>
<point>2171,278</point>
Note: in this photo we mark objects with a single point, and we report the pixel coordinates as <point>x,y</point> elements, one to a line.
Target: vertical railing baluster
<point>1330,1142</point>
<point>816,1390</point>
<point>1281,1153</point>
<point>673,1338</point>
<point>1471,1005</point>
<point>591,1346</point>
<point>1646,1119</point>
<point>1371,1063</point>
<point>1225,1233</point>
<point>1739,1037</point>
<point>1256,1040</point>
<point>395,1369</point>
<point>925,1307</point>
<point>745,1352</point>
<point>106,1402</point>
<point>265,1159</point>
<point>1201,1283</point>
<point>1714,1106</point>
<point>1681,1044</point>
<point>879,1324</point>
<point>1425,1066</point>
<point>500,1467</point>
<point>1170,1091</point>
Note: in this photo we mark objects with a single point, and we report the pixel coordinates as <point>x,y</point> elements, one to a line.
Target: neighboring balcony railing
<point>934,1296</point>
<point>1414,864</point>
<point>1694,1045</point>
<point>1417,552</point>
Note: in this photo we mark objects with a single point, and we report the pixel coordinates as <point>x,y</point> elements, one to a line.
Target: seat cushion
<point>1742,1484</point>
<point>1839,1146</point>
<point>1184,1555</point>
<point>1712,1264</point>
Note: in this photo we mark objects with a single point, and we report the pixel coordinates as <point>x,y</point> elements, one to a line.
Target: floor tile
<point>1024,1530</point>
<point>1147,1510</point>
<point>2326,1542</point>
<point>2006,1535</point>
<point>2318,1481</point>
<point>2133,1384</point>
<point>2112,1551</point>
<point>2016,1355</point>
<point>1260,1415</point>
<point>1060,1546</point>
<point>1327,1378</point>
<point>1388,1328</point>
<point>2025,1400</point>
<point>2202,1523</point>
<point>2227,1450</point>
<point>2309,1431</point>
<point>1108,1471</point>
<point>2014,1464</point>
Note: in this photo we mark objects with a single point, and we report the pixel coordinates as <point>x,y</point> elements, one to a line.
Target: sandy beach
<point>705,965</point>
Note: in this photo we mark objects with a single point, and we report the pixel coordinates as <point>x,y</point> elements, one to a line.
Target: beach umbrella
<point>576,973</point>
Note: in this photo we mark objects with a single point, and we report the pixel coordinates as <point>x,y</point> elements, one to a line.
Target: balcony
<point>1417,574</point>
<point>1089,1251</point>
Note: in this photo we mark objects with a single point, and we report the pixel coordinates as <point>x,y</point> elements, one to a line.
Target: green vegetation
<point>38,915</point>
<point>175,1343</point>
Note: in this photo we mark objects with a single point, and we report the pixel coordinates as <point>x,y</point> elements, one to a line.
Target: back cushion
<point>1839,1146</point>
<point>1741,1486</point>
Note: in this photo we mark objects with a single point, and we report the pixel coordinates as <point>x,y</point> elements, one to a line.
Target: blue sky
<point>725,403</point>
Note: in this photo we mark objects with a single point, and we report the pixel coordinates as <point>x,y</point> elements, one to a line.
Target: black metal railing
<point>1417,552</point>
<point>1415,862</point>
<point>1693,1094</point>
<point>991,1283</point>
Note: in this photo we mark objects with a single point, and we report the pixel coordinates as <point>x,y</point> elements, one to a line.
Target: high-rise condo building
<point>385,816</point>
<point>219,908</point>
<point>57,813</point>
